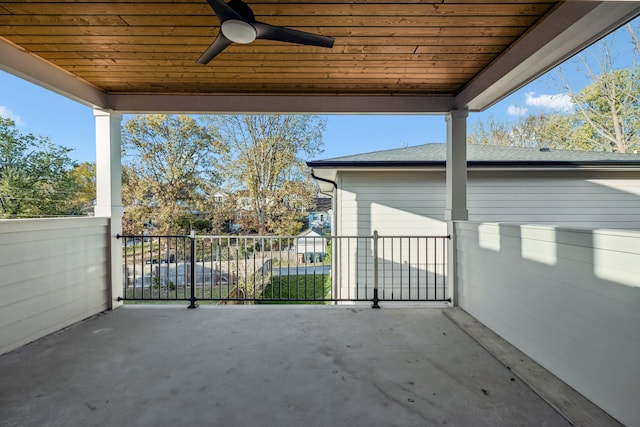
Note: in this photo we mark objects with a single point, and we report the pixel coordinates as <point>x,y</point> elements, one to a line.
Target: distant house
<point>320,214</point>
<point>310,246</point>
<point>402,191</point>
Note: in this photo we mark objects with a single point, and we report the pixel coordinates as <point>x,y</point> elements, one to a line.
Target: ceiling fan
<point>238,25</point>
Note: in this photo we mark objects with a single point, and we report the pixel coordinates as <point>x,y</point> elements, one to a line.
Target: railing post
<point>375,270</point>
<point>192,236</point>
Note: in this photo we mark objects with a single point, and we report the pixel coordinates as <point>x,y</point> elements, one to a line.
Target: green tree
<point>84,175</point>
<point>609,107</point>
<point>535,131</point>
<point>606,115</point>
<point>36,177</point>
<point>170,168</point>
<point>266,162</point>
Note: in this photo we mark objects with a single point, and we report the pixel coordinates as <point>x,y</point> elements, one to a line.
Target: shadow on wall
<point>567,297</point>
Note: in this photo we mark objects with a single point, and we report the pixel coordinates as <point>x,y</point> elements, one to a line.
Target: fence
<point>284,269</point>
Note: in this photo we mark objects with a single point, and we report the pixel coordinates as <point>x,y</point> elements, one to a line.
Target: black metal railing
<point>284,269</point>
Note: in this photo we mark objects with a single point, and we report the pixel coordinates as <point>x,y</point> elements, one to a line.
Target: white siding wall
<point>54,272</point>
<point>569,298</point>
<point>408,203</point>
<point>412,203</point>
<point>394,204</point>
<point>583,199</point>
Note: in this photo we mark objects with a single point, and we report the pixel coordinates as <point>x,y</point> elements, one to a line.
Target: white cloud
<point>514,110</point>
<point>8,114</point>
<point>558,102</point>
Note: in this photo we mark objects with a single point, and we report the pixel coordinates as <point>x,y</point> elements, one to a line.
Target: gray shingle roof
<point>322,204</point>
<point>436,153</point>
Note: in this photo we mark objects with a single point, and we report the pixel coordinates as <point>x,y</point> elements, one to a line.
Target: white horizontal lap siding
<point>393,203</point>
<point>588,199</point>
<point>569,298</point>
<point>54,273</point>
<point>412,203</point>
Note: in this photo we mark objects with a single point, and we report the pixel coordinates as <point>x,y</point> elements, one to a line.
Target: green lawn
<point>288,288</point>
<point>282,289</point>
<point>162,295</point>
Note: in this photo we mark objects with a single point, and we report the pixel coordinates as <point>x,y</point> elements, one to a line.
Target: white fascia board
<point>591,168</point>
<point>293,104</point>
<point>327,174</point>
<point>326,178</point>
<point>569,28</point>
<point>37,71</point>
<point>325,188</point>
<point>605,168</point>
<point>338,169</point>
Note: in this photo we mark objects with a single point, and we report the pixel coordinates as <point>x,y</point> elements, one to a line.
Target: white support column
<point>109,192</point>
<point>456,191</point>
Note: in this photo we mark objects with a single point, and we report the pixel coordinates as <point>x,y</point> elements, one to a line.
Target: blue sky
<point>68,123</point>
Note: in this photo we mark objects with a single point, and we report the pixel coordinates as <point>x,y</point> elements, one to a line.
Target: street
<point>309,270</point>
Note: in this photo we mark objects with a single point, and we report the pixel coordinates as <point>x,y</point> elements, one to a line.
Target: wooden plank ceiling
<point>382,47</point>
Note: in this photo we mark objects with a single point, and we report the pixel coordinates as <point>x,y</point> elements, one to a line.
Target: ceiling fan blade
<point>288,35</point>
<point>218,45</point>
<point>223,10</point>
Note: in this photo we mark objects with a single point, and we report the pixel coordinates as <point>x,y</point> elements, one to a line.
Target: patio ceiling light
<point>238,31</point>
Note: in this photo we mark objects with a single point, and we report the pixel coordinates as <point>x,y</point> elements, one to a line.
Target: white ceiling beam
<point>18,62</point>
<point>569,28</point>
<point>264,104</point>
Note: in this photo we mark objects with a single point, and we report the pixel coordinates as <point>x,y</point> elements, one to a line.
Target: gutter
<point>483,164</point>
<point>335,186</point>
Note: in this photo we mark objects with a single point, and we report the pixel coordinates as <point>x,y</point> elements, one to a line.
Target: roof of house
<point>312,232</point>
<point>434,155</point>
<point>321,204</point>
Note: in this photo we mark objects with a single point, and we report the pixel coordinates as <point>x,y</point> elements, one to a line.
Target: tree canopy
<point>265,166</point>
<point>36,176</point>
<point>169,170</point>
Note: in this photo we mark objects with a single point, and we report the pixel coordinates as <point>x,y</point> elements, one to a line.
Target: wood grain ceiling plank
<point>204,42</point>
<point>274,88</point>
<point>266,51</point>
<point>331,79</point>
<point>341,21</point>
<point>107,8</point>
<point>106,64</point>
<point>66,20</point>
<point>265,77</point>
<point>279,9</point>
<point>187,58</point>
<point>100,30</point>
<point>399,9</point>
<point>388,67</point>
<point>339,89</point>
<point>138,46</point>
<point>333,74</point>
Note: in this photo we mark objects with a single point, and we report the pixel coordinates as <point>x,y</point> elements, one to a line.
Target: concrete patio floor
<point>264,366</point>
